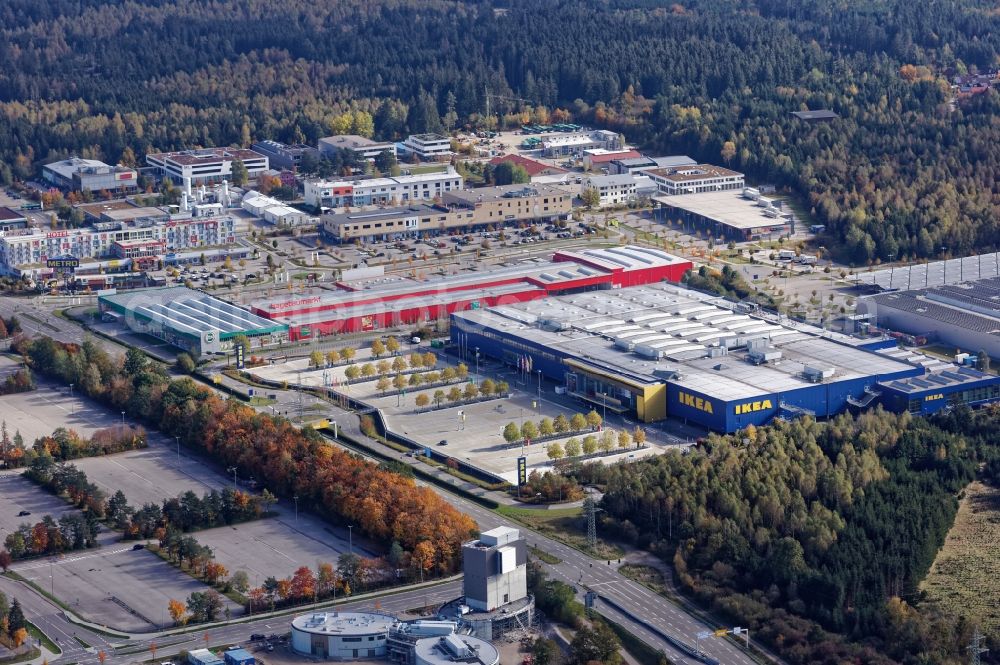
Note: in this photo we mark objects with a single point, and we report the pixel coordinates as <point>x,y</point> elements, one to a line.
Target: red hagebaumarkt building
<point>385,301</point>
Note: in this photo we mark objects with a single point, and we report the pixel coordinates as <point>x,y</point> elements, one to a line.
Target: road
<point>54,623</point>
<point>575,568</point>
<point>580,570</point>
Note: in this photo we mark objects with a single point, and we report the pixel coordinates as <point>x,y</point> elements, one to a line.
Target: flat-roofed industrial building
<point>659,351</point>
<point>190,320</point>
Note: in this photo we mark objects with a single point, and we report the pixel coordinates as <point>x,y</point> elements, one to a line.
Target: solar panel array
<point>908,301</point>
<point>935,273</point>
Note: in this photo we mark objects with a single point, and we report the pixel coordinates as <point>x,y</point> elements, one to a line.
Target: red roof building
<point>594,159</point>
<point>531,166</point>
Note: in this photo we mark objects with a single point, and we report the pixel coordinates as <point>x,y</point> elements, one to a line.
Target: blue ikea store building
<point>661,351</point>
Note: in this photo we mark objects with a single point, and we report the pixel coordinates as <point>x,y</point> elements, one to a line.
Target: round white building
<point>341,635</point>
<point>455,649</point>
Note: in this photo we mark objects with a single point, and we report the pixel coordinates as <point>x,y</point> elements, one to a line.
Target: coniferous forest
<point>815,535</point>
<point>903,172</point>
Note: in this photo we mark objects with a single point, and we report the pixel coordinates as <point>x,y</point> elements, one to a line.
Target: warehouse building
<point>729,215</point>
<point>563,144</point>
<point>283,156</point>
<point>11,220</point>
<point>190,320</point>
<point>363,148</point>
<point>90,175</point>
<point>930,274</point>
<point>965,315</point>
<point>273,211</point>
<point>381,303</point>
<point>661,351</point>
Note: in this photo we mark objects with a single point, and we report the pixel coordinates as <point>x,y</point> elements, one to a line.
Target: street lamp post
<point>604,401</point>
<point>178,440</point>
<point>72,409</point>
<point>296,500</point>
<point>350,538</point>
<point>123,419</point>
<point>232,469</point>
<point>477,366</point>
<point>539,389</point>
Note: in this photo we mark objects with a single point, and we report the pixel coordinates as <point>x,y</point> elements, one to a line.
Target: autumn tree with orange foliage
<point>384,505</point>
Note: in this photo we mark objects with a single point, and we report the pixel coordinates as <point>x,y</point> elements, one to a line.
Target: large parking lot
<point>478,439</point>
<point>271,546</point>
<point>17,495</point>
<point>38,412</point>
<point>112,585</point>
<point>279,545</point>
<point>150,475</point>
<point>115,586</point>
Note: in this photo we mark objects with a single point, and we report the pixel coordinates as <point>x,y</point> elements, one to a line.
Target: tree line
<point>72,531</point>
<point>286,460</point>
<point>807,531</point>
<point>66,444</point>
<point>903,172</point>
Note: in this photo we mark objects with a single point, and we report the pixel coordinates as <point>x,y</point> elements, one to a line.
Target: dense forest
<point>901,173</point>
<point>807,532</point>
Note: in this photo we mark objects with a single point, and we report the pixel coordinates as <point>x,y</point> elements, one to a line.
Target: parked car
<point>443,442</point>
<point>138,546</point>
<point>254,637</point>
<point>24,513</point>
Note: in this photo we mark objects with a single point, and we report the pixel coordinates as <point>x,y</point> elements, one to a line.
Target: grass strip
<point>37,633</point>
<point>642,652</point>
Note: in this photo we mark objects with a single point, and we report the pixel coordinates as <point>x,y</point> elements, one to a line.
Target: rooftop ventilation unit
<point>764,355</point>
<point>814,374</point>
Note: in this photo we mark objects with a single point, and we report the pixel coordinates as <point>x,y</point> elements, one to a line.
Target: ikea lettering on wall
<point>750,407</point>
<point>934,397</point>
<point>694,402</point>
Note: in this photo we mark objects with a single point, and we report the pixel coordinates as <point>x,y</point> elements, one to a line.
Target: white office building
<point>695,179</point>
<point>207,165</point>
<point>613,189</point>
<point>428,147</point>
<point>382,191</point>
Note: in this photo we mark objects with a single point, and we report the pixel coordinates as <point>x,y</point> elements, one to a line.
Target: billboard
<point>63,262</point>
<point>240,364</point>
<point>522,470</point>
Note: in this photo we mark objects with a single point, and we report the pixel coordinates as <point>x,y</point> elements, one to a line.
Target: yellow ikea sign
<point>934,397</point>
<point>750,407</point>
<point>694,402</point>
